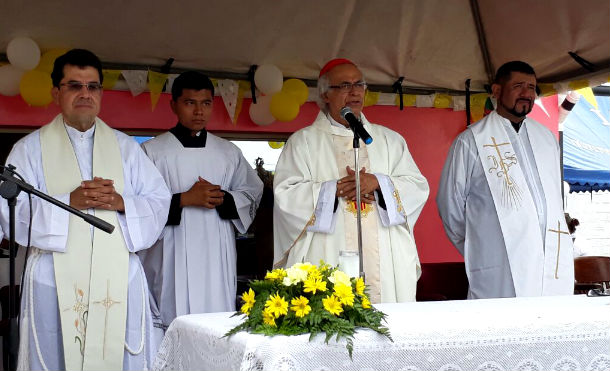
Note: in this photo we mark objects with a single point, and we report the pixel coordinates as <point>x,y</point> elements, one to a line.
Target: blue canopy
<point>586,146</point>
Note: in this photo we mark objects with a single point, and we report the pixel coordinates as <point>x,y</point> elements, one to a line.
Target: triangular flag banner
<point>110,78</point>
<point>547,90</point>
<point>170,82</point>
<point>539,103</point>
<point>489,106</point>
<point>442,101</point>
<point>424,100</point>
<point>244,87</point>
<point>587,93</point>
<point>459,103</point>
<point>578,84</point>
<point>371,98</point>
<point>229,90</point>
<point>408,100</point>
<point>156,80</point>
<point>477,106</point>
<point>136,80</point>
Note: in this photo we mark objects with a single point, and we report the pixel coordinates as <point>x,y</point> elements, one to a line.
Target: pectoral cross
<point>559,232</point>
<point>107,302</point>
<point>501,160</point>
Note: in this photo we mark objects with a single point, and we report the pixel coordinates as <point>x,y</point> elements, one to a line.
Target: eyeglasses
<point>347,86</point>
<point>76,86</point>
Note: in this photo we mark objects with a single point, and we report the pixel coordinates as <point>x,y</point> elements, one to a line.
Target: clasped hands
<point>202,194</point>
<point>98,193</point>
<point>346,186</point>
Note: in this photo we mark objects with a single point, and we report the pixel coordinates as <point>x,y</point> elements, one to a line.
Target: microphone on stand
<point>356,125</point>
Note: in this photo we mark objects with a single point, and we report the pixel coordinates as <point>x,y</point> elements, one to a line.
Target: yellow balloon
<point>48,59</point>
<point>297,89</point>
<point>35,88</point>
<point>284,107</point>
<point>276,145</point>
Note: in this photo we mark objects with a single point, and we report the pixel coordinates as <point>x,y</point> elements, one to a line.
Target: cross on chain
<point>107,302</point>
<point>502,165</point>
<point>559,233</point>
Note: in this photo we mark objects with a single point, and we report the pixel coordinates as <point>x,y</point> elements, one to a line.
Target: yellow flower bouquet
<point>309,299</point>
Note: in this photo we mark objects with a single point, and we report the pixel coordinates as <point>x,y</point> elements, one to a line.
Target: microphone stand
<point>10,189</point>
<point>356,146</point>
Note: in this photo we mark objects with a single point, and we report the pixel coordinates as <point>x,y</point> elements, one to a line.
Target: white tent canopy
<point>432,43</point>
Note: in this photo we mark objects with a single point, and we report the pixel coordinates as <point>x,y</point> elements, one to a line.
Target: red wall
<point>429,133</point>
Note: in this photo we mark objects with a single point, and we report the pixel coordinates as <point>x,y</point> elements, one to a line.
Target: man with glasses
<point>500,198</point>
<point>315,192</point>
<point>85,299</point>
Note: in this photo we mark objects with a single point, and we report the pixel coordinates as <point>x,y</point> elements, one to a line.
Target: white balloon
<point>268,79</point>
<point>260,113</point>
<point>10,76</point>
<point>23,53</point>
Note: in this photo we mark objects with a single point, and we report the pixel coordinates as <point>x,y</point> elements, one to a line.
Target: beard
<point>525,109</point>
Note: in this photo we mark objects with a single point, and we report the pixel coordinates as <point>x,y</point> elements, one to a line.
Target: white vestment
<point>519,254</point>
<point>192,268</point>
<point>305,185</point>
<point>146,200</point>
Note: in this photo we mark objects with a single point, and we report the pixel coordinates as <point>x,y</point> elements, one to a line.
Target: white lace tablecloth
<point>548,333</point>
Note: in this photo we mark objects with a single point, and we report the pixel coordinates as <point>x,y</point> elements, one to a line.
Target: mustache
<point>84,101</point>
<point>524,100</point>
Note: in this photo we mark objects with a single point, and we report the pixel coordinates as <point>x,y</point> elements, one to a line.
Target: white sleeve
<point>247,190</point>
<point>393,214</point>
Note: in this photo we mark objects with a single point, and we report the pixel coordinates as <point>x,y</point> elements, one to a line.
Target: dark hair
<point>75,57</point>
<point>507,68</point>
<point>191,80</point>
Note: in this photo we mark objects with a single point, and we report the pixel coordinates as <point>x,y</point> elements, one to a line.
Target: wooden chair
<point>591,272</point>
<point>442,281</point>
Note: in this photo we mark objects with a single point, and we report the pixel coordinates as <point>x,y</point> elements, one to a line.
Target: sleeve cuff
<point>175,210</point>
<point>325,209</point>
<point>227,210</point>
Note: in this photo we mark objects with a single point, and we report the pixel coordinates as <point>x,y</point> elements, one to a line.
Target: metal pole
<point>358,215</point>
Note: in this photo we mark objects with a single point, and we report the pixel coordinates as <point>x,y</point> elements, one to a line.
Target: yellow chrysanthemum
<point>313,285</point>
<point>332,305</point>
<point>340,277</point>
<point>248,298</point>
<point>294,275</point>
<point>276,305</point>
<point>360,286</point>
<point>300,306</point>
<point>366,304</point>
<point>345,294</point>
<point>276,275</point>
<point>268,318</point>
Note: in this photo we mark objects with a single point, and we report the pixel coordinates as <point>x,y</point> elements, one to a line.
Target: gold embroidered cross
<point>559,232</point>
<point>107,302</point>
<point>502,164</point>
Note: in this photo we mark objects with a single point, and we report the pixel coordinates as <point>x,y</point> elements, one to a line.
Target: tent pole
<point>476,16</point>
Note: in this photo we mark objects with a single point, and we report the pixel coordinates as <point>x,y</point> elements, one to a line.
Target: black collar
<point>183,134</point>
<point>517,125</point>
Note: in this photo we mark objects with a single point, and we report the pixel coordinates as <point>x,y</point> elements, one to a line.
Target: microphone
<point>355,125</point>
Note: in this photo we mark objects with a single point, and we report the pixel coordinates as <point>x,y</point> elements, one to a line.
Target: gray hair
<point>323,86</point>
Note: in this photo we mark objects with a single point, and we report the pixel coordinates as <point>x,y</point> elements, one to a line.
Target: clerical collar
<point>75,133</point>
<point>334,122</point>
<point>183,134</point>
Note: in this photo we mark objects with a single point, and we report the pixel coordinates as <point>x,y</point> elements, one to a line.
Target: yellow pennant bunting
<point>408,100</point>
<point>578,84</point>
<point>156,80</point>
<point>442,101</point>
<point>477,106</point>
<point>110,78</point>
<point>547,90</point>
<point>371,98</point>
<point>587,93</point>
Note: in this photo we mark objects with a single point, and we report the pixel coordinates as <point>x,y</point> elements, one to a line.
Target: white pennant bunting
<point>424,100</point>
<point>229,90</point>
<point>136,80</point>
